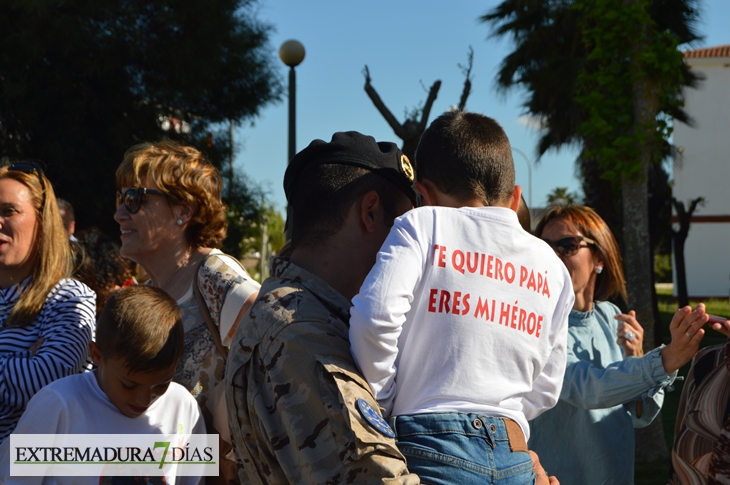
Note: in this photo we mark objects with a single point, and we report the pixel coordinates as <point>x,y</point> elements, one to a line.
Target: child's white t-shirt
<point>463,311</point>
<point>76,405</point>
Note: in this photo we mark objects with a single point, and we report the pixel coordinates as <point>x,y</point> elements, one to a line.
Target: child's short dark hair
<point>467,155</point>
<point>141,325</point>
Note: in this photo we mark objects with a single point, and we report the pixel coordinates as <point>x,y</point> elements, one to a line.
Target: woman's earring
<point>599,269</point>
<point>180,221</point>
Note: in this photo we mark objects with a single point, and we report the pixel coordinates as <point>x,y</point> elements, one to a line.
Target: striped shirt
<point>66,322</point>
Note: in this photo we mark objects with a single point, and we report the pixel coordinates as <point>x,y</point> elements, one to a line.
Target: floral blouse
<point>225,287</point>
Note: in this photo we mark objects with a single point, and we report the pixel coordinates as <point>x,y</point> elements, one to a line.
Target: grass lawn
<point>657,473</point>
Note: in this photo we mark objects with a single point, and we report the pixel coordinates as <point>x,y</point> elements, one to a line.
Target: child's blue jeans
<point>459,448</point>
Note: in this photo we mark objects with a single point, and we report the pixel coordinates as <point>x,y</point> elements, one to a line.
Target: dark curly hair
<point>99,264</point>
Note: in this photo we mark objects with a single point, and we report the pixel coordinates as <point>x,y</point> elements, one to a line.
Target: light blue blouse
<point>588,437</point>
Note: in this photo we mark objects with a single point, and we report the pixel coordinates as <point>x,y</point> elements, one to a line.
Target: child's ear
<point>426,189</point>
<point>95,353</point>
<point>516,196</point>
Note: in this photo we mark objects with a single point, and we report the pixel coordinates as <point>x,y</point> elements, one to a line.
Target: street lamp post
<point>529,176</point>
<point>291,53</point>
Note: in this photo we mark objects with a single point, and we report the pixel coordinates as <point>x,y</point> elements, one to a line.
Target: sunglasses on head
<point>570,245</point>
<point>132,198</point>
<point>30,167</point>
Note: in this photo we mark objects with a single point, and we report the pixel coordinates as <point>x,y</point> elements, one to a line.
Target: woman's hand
<point>630,334</point>
<point>722,327</point>
<point>687,332</point>
<point>541,476</point>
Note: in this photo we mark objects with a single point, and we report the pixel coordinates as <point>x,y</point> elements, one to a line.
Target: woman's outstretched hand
<point>687,332</point>
<point>630,334</point>
<point>722,327</point>
<point>541,476</point>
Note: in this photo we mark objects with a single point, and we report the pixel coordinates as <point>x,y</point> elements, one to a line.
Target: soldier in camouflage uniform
<point>298,408</point>
<point>294,393</point>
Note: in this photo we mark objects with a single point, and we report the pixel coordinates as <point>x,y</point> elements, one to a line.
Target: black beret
<point>356,149</point>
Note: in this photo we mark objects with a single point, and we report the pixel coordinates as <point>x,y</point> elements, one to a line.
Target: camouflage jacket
<point>292,388</point>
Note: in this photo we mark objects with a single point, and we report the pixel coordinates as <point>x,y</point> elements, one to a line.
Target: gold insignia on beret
<point>405,164</point>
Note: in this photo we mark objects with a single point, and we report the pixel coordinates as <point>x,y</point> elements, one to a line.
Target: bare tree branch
<point>467,81</point>
<point>433,92</point>
<point>410,130</point>
<point>380,105</point>
<point>684,217</point>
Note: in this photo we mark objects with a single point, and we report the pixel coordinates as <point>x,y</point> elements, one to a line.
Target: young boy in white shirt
<point>139,342</point>
<point>461,326</point>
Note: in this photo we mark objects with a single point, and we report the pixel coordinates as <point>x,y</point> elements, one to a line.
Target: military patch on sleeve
<point>373,417</point>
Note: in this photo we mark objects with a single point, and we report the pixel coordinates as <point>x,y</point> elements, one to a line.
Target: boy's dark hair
<point>324,194</point>
<point>141,325</point>
<point>467,155</point>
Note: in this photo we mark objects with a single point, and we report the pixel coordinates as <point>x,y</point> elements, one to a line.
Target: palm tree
<point>549,55</point>
<point>561,196</point>
<point>546,60</point>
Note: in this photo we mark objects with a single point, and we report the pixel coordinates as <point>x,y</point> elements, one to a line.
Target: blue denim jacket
<point>588,437</point>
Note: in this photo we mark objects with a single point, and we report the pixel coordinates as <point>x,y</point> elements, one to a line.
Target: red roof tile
<point>717,51</point>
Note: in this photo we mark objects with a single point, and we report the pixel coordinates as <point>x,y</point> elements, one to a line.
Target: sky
<point>407,46</point>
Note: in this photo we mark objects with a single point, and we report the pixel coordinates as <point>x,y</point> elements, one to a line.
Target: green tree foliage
<point>262,239</point>
<point>549,55</point>
<point>83,80</point>
<point>246,202</point>
<point>607,91</point>
<point>629,93</point>
<point>546,58</point>
<point>247,211</point>
<point>581,89</point>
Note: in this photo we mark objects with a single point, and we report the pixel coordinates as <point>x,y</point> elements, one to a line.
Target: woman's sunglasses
<point>132,198</point>
<point>30,167</point>
<point>570,245</point>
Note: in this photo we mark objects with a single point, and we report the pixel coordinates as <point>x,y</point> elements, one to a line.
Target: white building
<point>703,170</point>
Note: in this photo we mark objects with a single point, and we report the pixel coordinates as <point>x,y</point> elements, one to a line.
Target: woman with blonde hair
<point>610,385</point>
<point>46,318</point>
<point>172,221</point>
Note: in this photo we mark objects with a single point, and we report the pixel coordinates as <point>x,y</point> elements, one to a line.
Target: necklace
<point>181,266</point>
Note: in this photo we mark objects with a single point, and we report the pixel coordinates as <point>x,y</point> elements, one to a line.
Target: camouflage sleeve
<point>304,419</point>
